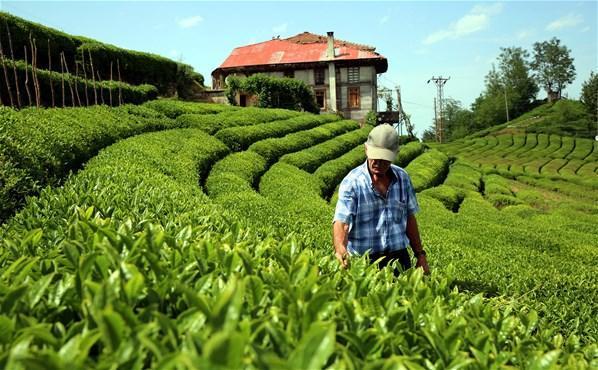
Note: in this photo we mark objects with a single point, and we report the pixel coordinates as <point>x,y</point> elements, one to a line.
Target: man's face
<point>378,167</point>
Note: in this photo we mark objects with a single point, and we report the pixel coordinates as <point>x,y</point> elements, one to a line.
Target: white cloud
<point>585,29</point>
<point>569,20</point>
<point>384,19</point>
<point>488,9</point>
<point>281,28</point>
<point>190,22</point>
<point>524,34</point>
<point>476,20</point>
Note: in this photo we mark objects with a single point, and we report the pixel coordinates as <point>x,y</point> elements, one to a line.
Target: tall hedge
<point>135,67</point>
<point>49,81</point>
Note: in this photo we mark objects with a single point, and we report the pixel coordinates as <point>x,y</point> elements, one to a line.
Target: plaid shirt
<point>376,223</point>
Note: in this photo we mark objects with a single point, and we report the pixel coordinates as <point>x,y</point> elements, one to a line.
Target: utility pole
<point>400,108</point>
<point>439,113</point>
<point>506,104</point>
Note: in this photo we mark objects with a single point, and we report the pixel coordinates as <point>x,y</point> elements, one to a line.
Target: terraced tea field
<point>180,235</point>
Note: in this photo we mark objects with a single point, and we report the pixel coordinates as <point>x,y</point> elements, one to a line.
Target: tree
<point>554,67</point>
<point>429,134</point>
<point>519,87</point>
<point>458,120</point>
<point>489,108</point>
<point>589,95</point>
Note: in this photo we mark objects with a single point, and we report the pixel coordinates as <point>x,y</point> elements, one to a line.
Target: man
<point>376,208</point>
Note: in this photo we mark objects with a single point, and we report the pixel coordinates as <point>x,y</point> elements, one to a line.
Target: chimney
<point>330,50</point>
<point>331,73</point>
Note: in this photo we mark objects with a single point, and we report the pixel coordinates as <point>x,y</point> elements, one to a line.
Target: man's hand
<point>340,237</point>
<point>423,263</point>
<point>342,256</point>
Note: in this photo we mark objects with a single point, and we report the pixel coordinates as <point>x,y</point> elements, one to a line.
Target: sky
<point>456,39</point>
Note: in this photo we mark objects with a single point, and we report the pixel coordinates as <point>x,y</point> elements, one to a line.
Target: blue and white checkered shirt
<point>376,223</point>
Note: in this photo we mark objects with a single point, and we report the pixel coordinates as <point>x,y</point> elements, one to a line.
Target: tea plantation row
<point>130,264</point>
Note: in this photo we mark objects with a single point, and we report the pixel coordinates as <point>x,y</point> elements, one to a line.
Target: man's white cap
<point>382,143</point>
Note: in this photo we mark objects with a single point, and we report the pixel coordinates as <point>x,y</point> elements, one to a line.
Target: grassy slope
<point>564,117</point>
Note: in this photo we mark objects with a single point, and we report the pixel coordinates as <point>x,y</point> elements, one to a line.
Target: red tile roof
<point>302,48</point>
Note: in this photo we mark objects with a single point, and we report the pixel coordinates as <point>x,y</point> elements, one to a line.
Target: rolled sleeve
<point>346,206</point>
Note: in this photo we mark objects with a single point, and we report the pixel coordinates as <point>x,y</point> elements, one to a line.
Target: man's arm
<point>340,238</point>
<point>416,244</point>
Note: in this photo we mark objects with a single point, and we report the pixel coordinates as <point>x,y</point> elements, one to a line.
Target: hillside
<point>563,117</point>
<point>206,243</point>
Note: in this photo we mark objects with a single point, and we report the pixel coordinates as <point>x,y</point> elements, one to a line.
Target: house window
<point>319,76</point>
<point>289,74</point>
<point>353,75</point>
<point>354,98</point>
<point>321,99</point>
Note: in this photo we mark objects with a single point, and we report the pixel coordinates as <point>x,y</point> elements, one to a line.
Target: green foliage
<point>448,195</point>
<point>409,152</point>
<point>311,158</point>
<point>41,147</point>
<point>241,137</point>
<point>562,117</point>
<point>234,118</point>
<point>274,92</point>
<point>589,95</point>
<point>554,67</point>
<point>371,118</point>
<point>130,265</point>
<point>333,171</point>
<point>106,91</point>
<point>136,68</point>
<point>173,108</point>
<point>518,83</point>
<point>428,169</point>
<point>274,148</point>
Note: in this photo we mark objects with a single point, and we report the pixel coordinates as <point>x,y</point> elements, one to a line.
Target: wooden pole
<point>110,89</point>
<point>34,71</point>
<point>77,82</point>
<point>93,78</point>
<point>14,65</point>
<point>27,76</point>
<point>50,70</point>
<point>120,95</point>
<point>84,77</point>
<point>62,78</point>
<point>6,75</point>
<point>69,81</point>
<point>101,87</point>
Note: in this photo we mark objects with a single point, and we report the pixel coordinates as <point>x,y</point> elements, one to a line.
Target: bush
<point>173,108</point>
<point>409,152</point>
<point>274,92</point>
<point>41,147</point>
<point>236,173</point>
<point>428,170</point>
<point>241,137</point>
<point>311,158</point>
<point>233,118</point>
<point>450,197</point>
<point>272,149</point>
<point>332,172</point>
